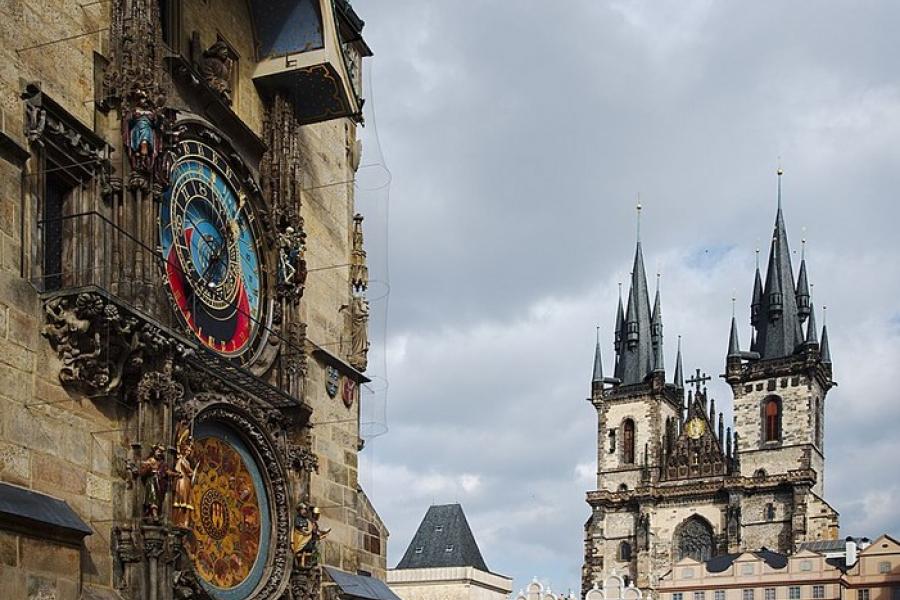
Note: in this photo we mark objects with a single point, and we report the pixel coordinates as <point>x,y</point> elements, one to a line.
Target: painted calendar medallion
<point>229,544</point>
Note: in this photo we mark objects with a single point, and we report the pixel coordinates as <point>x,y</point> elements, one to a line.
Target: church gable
<point>692,449</point>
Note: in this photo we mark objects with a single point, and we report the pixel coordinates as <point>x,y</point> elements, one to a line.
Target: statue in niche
<point>142,135</point>
<point>306,536</point>
<point>155,474</point>
<point>215,67</point>
<point>182,509</point>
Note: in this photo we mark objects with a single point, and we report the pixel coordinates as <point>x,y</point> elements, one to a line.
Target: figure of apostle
<point>306,535</point>
<point>182,509</point>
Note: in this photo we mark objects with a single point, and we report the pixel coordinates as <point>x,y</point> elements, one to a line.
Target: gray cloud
<point>518,135</point>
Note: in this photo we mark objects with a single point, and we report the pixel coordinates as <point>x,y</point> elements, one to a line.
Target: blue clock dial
<point>210,244</point>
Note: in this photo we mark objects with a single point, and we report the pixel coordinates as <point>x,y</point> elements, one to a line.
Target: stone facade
<point>77,434</point>
<point>672,480</point>
<point>448,583</point>
<point>873,573</point>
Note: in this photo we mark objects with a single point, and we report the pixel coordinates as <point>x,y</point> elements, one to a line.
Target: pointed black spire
<point>721,428</point>
<point>620,323</point>
<point>598,362</point>
<point>812,336</point>
<point>734,346</point>
<point>802,293</point>
<point>679,368</point>
<point>656,329</point>
<point>636,360</point>
<point>824,350</point>
<point>779,332</point>
<point>756,303</point>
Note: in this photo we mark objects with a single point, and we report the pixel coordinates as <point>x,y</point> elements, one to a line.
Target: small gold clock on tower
<point>695,428</point>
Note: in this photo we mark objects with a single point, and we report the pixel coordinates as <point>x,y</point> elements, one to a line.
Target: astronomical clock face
<point>213,260</point>
<point>229,541</point>
<point>695,428</point>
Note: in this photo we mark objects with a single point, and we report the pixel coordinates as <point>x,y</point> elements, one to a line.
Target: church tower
<point>780,385</point>
<point>634,409</point>
<point>673,481</point>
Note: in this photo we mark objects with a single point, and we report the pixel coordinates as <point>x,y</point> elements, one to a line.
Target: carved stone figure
<point>359,333</point>
<point>182,509</point>
<point>359,271</point>
<point>215,67</point>
<point>155,474</point>
<point>306,536</point>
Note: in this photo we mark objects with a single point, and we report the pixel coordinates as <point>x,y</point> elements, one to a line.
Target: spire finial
<point>757,257</point>
<point>639,208</point>
<point>803,244</point>
<point>733,303</point>
<point>780,173</point>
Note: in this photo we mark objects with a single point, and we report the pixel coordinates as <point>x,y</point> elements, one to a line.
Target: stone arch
<point>694,538</point>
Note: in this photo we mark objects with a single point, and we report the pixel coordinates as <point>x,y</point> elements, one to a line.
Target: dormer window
<point>448,549</point>
<point>438,528</point>
<point>419,549</point>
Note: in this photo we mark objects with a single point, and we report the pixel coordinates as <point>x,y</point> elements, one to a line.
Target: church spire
<point>779,333</point>
<point>656,329</point>
<point>812,336</point>
<point>679,368</point>
<point>756,303</point>
<point>636,359</point>
<point>598,361</point>
<point>734,346</point>
<point>824,350</point>
<point>802,293</point>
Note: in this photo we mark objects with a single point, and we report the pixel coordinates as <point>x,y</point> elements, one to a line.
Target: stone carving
<point>359,333</point>
<point>155,473</point>
<point>134,84</point>
<point>694,538</point>
<point>216,66</point>
<point>98,344</point>
<point>182,509</point>
<point>294,358</point>
<point>281,175</point>
<point>301,458</point>
<point>306,536</point>
<point>643,532</point>
<point>43,125</point>
<point>359,271</point>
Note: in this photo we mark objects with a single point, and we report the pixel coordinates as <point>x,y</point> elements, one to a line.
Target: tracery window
<point>628,442</point>
<point>772,416</point>
<point>694,539</point>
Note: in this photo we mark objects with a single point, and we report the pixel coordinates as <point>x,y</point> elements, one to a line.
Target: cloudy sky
<point>518,135</point>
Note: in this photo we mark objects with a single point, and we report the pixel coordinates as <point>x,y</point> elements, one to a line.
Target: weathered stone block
<point>49,557</point>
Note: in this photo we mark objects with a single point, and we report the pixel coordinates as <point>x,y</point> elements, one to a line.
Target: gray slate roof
<point>35,511</point>
<point>443,539</point>
<point>360,586</point>
<point>635,360</point>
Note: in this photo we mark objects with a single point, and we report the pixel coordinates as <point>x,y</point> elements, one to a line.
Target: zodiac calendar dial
<point>210,244</point>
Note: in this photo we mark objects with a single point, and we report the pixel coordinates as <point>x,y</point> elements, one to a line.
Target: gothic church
<point>672,480</point>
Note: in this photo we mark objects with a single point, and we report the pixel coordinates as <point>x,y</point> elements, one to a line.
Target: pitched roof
<point>443,539</point>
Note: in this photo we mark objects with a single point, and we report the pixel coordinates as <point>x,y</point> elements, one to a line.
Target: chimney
<point>851,552</point>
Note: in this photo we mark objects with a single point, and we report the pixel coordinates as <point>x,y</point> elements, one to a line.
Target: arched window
<point>694,538</point>
<point>772,419</point>
<point>625,552</point>
<point>623,487</point>
<point>628,442</point>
